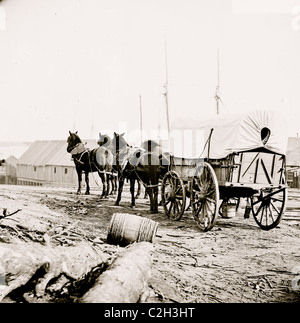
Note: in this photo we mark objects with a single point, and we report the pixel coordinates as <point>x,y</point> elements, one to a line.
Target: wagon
<point>243,157</point>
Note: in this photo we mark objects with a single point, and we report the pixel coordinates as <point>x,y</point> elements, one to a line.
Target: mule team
<point>115,158</point>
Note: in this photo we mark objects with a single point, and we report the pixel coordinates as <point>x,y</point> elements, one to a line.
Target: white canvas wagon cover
<point>237,132</point>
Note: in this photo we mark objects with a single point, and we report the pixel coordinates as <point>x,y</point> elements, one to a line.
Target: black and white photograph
<point>150,154</point>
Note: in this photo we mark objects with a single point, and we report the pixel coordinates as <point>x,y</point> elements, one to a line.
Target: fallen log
<point>21,263</point>
<point>126,279</point>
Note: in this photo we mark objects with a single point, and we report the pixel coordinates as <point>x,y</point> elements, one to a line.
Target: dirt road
<point>234,262</point>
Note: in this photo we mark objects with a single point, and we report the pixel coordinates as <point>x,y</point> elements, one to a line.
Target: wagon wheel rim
<point>173,195</point>
<point>268,207</point>
<point>205,198</point>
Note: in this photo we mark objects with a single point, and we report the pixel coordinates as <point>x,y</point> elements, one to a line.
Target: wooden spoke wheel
<point>268,207</point>
<point>173,195</point>
<point>205,197</point>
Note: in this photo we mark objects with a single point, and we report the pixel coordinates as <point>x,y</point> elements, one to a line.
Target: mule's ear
<point>76,132</point>
<point>121,135</point>
<point>115,134</point>
<point>69,132</point>
<point>99,134</point>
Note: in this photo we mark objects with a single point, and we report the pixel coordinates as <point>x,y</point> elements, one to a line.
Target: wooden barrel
<point>127,228</point>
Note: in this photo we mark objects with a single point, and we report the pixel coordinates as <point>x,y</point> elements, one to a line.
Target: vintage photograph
<point>150,154</point>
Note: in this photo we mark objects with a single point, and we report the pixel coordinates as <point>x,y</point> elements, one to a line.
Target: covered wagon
<point>242,156</point>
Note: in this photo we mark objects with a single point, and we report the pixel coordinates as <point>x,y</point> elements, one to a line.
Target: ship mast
<point>141,119</point>
<point>217,96</point>
<point>166,89</point>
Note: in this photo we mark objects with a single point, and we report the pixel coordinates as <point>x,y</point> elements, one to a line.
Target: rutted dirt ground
<point>234,262</point>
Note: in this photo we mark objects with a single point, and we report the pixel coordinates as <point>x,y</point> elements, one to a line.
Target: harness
<point>129,156</point>
<point>92,161</point>
<point>78,151</point>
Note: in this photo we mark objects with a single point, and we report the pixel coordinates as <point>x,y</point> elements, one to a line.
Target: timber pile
<point>47,258</point>
<point>31,269</point>
<point>37,273</point>
<point>33,272</point>
<point>126,278</point>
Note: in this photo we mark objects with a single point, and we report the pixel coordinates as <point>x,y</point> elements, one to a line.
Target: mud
<point>234,262</point>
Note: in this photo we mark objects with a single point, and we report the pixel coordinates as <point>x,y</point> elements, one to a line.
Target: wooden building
<point>8,171</point>
<point>48,163</point>
<point>10,152</point>
<point>293,162</point>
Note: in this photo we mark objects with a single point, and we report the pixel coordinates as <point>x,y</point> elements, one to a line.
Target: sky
<point>93,65</point>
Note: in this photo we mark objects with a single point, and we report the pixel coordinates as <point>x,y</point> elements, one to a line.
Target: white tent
<point>235,133</point>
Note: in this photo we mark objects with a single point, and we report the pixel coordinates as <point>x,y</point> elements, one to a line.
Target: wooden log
<point>126,279</point>
<point>20,262</point>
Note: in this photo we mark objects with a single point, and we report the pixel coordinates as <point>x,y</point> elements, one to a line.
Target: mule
<point>106,141</point>
<point>136,164</point>
<point>88,161</point>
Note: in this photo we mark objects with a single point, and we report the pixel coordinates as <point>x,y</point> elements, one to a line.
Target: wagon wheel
<point>268,207</point>
<point>173,195</point>
<point>205,197</point>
